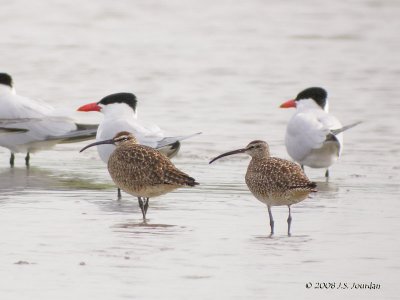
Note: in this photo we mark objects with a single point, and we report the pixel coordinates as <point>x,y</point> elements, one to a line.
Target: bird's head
<point>119,139</point>
<point>310,97</point>
<point>119,103</point>
<point>256,149</point>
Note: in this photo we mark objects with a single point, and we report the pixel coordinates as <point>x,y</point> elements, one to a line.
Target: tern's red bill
<point>90,107</point>
<point>288,104</point>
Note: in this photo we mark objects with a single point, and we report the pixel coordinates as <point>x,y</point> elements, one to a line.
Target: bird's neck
<point>260,156</point>
<point>118,111</point>
<point>5,89</point>
<point>310,104</point>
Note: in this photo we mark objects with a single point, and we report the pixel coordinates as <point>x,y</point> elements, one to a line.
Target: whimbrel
<point>313,136</point>
<point>120,114</point>
<point>42,127</point>
<point>141,170</point>
<point>273,181</point>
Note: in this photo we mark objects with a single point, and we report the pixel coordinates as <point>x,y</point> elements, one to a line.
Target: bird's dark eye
<point>122,139</point>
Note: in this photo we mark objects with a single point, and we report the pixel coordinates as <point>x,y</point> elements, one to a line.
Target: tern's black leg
<point>302,167</point>
<point>119,193</point>
<point>12,158</point>
<point>142,204</point>
<point>289,222</point>
<point>27,157</point>
<point>271,220</point>
<point>327,173</point>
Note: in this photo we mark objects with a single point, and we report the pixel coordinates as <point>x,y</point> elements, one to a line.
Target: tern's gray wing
<point>83,133</point>
<point>12,130</point>
<point>337,131</point>
<point>173,139</point>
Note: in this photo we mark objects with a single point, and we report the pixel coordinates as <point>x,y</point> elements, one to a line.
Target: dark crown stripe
<point>318,94</point>
<point>127,98</point>
<point>6,79</point>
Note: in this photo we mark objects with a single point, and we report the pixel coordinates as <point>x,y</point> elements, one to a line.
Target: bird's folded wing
<point>9,121</point>
<point>307,131</point>
<point>344,128</point>
<point>173,139</point>
<point>86,126</point>
<point>12,130</point>
<point>74,136</point>
<point>282,173</point>
<point>148,136</point>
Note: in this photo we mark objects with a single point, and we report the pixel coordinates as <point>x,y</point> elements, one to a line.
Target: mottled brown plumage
<point>143,171</point>
<point>274,181</point>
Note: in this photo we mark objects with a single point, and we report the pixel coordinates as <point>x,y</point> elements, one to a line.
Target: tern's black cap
<point>6,79</point>
<point>127,98</point>
<point>318,94</point>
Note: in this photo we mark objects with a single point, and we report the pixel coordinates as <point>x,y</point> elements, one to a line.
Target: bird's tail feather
<point>75,136</point>
<point>177,177</point>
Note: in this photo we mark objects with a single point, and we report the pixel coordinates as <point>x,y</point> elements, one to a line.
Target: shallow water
<point>223,68</point>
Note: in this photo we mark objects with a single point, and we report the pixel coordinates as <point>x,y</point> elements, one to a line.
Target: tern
<point>120,114</point>
<point>29,126</point>
<point>314,138</point>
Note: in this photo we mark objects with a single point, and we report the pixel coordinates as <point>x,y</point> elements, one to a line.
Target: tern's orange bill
<point>288,104</point>
<point>90,107</point>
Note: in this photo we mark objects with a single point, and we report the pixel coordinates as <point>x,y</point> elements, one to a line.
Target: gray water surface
<point>223,68</point>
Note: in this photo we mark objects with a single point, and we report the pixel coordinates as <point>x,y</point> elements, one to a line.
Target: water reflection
<point>17,179</point>
<point>327,186</point>
<point>143,224</point>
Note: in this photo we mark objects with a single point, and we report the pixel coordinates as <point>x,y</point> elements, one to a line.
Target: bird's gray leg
<point>12,158</point>
<point>302,167</point>
<point>146,205</point>
<point>271,220</point>
<point>142,205</point>
<point>327,173</point>
<point>289,222</point>
<point>27,157</point>
<point>119,194</point>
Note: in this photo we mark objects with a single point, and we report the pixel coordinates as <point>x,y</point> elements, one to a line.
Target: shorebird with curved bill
<point>32,125</point>
<point>273,181</point>
<point>314,138</point>
<point>120,114</point>
<point>142,171</point>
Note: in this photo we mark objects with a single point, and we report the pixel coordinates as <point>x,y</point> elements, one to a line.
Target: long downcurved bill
<point>90,107</point>
<point>97,143</point>
<point>288,104</point>
<point>228,153</point>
